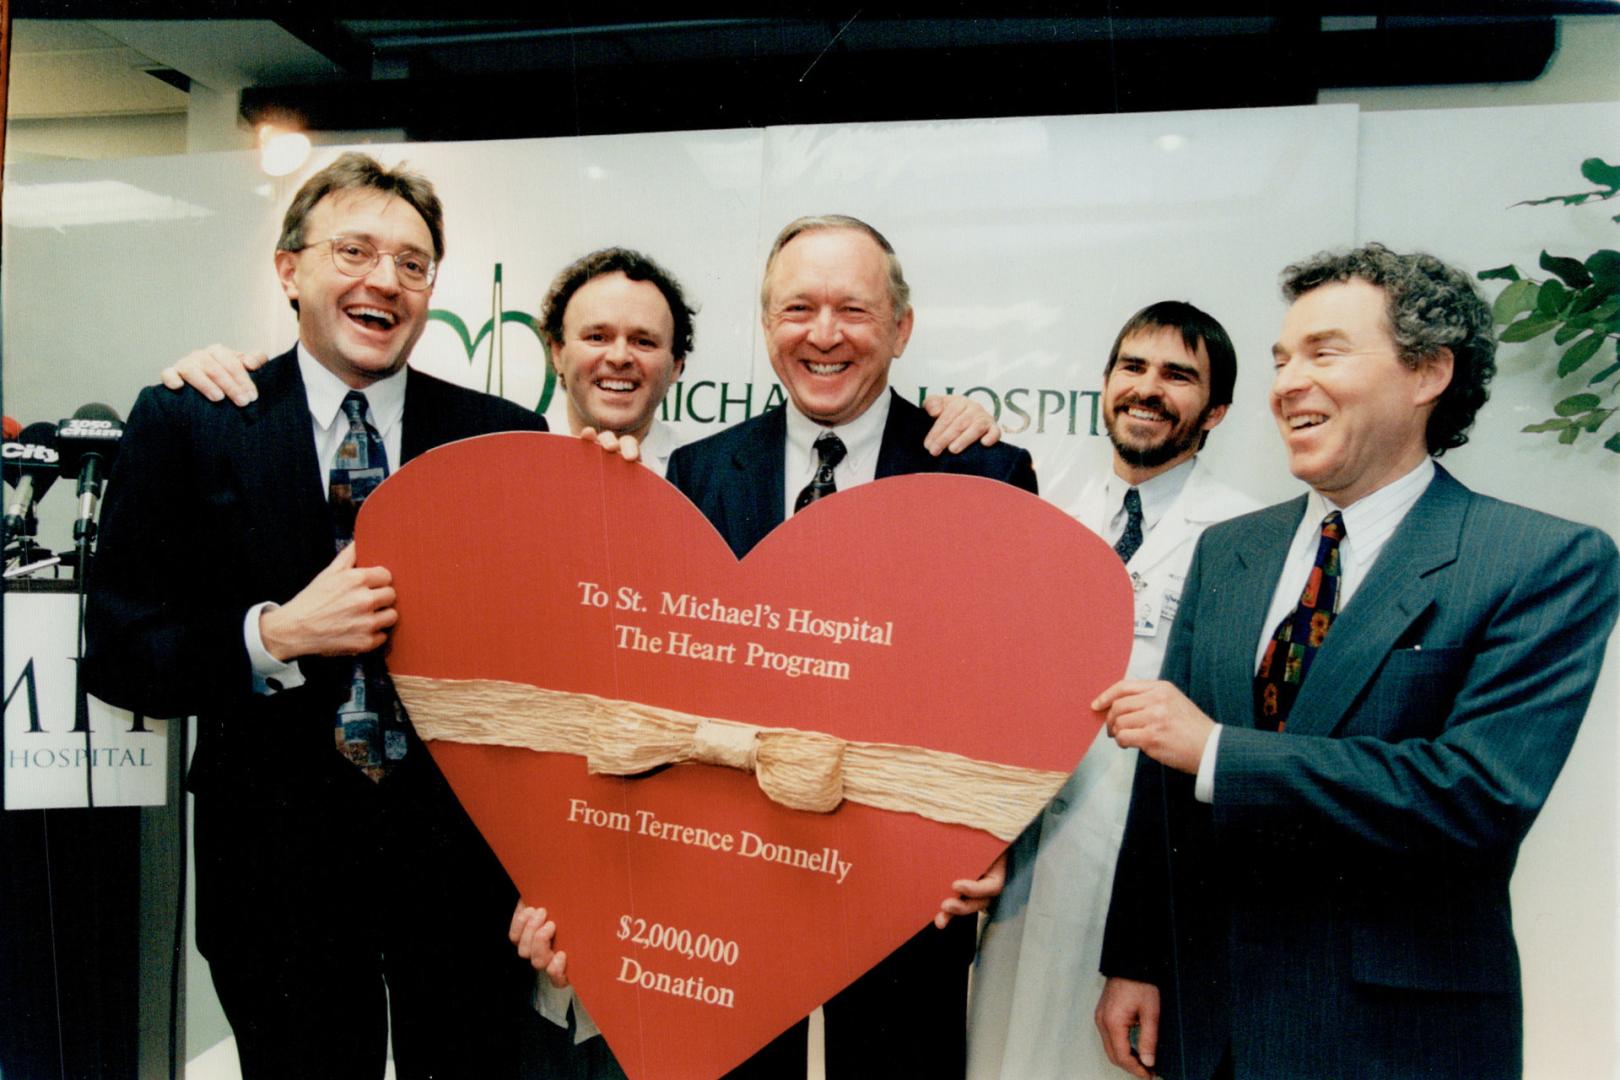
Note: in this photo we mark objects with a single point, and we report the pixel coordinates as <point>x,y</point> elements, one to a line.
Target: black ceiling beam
<point>1287,67</point>
<point>1505,51</point>
<point>607,12</point>
<point>331,40</point>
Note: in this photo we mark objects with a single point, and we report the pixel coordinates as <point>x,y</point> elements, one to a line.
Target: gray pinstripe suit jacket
<point>1341,910</point>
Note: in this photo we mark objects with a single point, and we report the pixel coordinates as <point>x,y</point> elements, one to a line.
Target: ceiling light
<point>281,152</point>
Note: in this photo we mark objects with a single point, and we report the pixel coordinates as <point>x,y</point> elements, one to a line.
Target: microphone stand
<point>84,537</point>
<point>23,553</point>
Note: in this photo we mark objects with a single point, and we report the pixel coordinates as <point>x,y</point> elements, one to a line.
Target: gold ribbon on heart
<point>802,770</point>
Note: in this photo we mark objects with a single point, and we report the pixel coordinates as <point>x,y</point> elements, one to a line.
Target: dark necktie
<point>369,729</point>
<point>1131,538</point>
<point>829,451</point>
<point>1294,645</point>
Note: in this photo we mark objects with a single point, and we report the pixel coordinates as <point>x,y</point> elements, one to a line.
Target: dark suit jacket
<point>212,509</point>
<point>313,883</point>
<point>735,476</point>
<point>1342,908</point>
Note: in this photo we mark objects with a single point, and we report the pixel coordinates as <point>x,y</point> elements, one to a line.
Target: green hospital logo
<point>494,329</point>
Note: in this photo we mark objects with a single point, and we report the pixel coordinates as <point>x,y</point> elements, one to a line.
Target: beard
<point>1183,435</point>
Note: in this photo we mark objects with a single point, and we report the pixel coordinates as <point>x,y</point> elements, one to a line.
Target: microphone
<point>13,429</point>
<point>88,442</point>
<point>31,466</point>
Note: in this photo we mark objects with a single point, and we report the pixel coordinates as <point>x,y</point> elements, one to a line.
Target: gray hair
<point>899,291</point>
<point>1431,306</point>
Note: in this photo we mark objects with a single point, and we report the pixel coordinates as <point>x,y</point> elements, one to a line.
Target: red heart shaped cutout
<point>992,621</point>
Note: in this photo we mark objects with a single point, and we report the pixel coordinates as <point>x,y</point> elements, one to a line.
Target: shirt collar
<point>385,398</point>
<point>861,436</point>
<point>1156,493</point>
<point>657,446</point>
<point>1370,513</point>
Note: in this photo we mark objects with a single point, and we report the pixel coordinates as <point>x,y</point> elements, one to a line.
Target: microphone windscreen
<point>34,453</point>
<point>92,432</point>
<point>13,428</point>
<point>97,411</point>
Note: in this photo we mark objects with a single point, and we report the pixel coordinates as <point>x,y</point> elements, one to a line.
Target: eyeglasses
<point>355,256</point>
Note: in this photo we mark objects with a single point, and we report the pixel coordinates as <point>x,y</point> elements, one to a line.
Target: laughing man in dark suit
<point>837,313</point>
<point>1367,696</point>
<point>338,881</point>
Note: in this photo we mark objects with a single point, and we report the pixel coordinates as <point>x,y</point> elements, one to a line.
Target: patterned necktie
<point>369,728</point>
<point>1293,646</point>
<point>830,451</point>
<point>1131,538</point>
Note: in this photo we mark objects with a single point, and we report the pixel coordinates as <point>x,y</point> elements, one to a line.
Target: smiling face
<point>614,361</point>
<point>359,328</point>
<point>830,326</point>
<point>1351,413</point>
<point>1156,403</point>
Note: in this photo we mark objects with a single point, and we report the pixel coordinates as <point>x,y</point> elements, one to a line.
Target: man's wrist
<point>270,672</point>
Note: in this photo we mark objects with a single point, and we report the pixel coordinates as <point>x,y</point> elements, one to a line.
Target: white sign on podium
<point>46,753</point>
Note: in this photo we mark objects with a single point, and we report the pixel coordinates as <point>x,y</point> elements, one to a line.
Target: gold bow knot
<point>802,770</point>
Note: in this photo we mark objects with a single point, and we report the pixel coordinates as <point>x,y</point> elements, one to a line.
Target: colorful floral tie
<point>1289,653</point>
<point>370,727</point>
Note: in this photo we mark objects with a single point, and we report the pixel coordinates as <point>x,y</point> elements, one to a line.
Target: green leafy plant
<point>1579,304</point>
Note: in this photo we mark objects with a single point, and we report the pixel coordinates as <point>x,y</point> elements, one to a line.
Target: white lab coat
<point>1035,984</point>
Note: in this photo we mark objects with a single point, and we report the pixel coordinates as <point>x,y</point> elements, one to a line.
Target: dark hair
<point>633,265</point>
<point>899,291</point>
<point>1195,326</point>
<point>1431,306</point>
<point>352,171</point>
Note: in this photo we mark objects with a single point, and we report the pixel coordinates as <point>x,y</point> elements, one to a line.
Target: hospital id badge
<point>1146,621</point>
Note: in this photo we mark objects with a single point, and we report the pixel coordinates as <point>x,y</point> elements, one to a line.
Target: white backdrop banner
<point>1027,242</point>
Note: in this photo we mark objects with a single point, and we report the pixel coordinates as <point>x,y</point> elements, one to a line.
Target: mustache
<point>1155,402</point>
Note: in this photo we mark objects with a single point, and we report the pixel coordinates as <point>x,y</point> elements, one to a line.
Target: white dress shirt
<point>659,444</point>
<point>1369,522</point>
<point>1156,493</point>
<point>862,438</point>
<point>385,408</point>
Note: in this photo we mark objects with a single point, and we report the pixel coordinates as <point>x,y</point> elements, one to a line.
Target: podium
<point>87,896</point>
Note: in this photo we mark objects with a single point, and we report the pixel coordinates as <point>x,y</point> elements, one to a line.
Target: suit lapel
<point>1397,589</point>
<point>755,501</point>
<point>901,452</point>
<point>426,422</point>
<point>1251,568</point>
<point>275,461</point>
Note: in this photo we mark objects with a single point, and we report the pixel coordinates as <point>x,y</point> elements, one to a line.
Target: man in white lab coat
<point>1167,384</point>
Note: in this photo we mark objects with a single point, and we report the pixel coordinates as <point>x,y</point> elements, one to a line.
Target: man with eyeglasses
<point>339,883</point>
